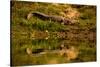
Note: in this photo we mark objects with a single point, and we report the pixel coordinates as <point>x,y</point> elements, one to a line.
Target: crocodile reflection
<point>60,48</point>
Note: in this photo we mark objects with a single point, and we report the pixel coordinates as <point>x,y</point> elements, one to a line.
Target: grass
<point>37,33</point>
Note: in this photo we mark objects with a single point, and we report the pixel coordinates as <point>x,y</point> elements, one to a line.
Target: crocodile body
<point>43,16</point>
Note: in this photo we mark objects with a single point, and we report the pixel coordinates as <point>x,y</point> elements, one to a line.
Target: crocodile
<point>43,16</point>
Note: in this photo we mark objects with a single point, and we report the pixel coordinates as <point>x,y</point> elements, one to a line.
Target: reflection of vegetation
<point>49,35</point>
<point>46,43</point>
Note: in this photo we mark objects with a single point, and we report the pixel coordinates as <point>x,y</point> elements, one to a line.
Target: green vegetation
<point>48,35</point>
